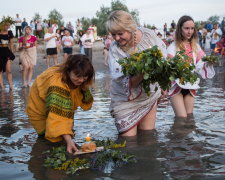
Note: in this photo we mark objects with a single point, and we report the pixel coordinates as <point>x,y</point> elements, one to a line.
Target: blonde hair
<point>120,21</point>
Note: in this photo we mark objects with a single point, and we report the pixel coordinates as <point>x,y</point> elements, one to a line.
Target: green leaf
<point>171,78</point>
<point>146,76</point>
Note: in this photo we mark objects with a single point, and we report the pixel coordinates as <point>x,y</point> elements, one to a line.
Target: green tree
<point>118,5</point>
<point>200,24</point>
<point>94,21</point>
<point>214,19</point>
<point>149,26</point>
<point>135,14</point>
<point>86,22</point>
<point>102,18</point>
<point>37,16</point>
<point>56,17</point>
<point>103,13</point>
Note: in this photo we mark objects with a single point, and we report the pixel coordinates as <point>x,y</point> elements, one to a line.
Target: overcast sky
<point>155,12</point>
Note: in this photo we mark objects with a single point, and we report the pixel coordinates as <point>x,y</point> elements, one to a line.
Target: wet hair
<point>120,21</point>
<point>179,38</point>
<point>81,66</point>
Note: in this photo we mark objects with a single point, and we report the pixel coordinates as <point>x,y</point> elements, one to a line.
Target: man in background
<point>87,40</point>
<point>18,24</point>
<point>24,24</point>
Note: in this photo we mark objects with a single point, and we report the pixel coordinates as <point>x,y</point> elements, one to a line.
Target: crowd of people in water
<point>57,92</point>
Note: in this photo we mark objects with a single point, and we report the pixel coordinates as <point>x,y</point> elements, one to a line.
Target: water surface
<point>178,149</point>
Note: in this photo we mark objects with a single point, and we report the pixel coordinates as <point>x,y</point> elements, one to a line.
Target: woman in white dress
<point>131,107</point>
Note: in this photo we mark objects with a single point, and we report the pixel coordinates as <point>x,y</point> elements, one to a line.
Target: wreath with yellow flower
<point>6,20</point>
<point>155,68</point>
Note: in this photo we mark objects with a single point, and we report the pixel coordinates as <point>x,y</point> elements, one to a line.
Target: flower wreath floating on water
<point>155,68</point>
<point>59,159</point>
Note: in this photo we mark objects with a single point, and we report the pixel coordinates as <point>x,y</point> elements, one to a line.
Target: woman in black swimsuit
<point>6,55</point>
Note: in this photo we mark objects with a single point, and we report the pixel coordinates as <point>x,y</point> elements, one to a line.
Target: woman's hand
<point>25,47</point>
<point>135,80</point>
<point>163,94</point>
<point>210,64</point>
<point>71,147</point>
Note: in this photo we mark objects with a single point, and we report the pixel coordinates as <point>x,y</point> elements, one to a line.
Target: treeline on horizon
<point>102,14</point>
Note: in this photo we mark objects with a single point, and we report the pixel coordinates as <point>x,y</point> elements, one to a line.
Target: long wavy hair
<point>179,38</point>
<point>81,66</point>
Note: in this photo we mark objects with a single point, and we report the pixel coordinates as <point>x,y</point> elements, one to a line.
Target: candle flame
<point>88,138</point>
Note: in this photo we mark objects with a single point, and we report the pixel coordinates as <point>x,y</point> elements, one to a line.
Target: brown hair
<point>179,36</point>
<point>81,66</point>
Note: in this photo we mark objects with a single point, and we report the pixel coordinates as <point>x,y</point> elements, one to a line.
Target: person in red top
<point>219,46</point>
<point>222,50</point>
<point>28,54</point>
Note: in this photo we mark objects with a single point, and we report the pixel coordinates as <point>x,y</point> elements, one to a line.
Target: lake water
<point>177,149</point>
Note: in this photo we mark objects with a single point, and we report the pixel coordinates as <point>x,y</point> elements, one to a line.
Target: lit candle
<point>88,138</point>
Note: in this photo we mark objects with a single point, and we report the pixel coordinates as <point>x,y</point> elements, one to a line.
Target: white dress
<point>130,105</point>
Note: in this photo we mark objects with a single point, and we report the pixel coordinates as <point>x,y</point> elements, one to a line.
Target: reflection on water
<point>191,148</point>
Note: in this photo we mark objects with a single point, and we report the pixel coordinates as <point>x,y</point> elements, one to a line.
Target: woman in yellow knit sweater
<point>56,94</point>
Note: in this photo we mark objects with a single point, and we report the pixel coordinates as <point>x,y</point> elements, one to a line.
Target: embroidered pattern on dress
<point>59,90</point>
<point>58,101</point>
<point>61,112</point>
<point>200,55</point>
<point>175,89</point>
<point>126,86</point>
<point>125,122</point>
<point>87,96</point>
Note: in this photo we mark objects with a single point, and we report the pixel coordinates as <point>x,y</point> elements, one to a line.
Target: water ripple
<point>192,149</point>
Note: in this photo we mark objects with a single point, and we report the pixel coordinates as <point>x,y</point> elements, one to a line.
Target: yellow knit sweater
<point>51,105</point>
